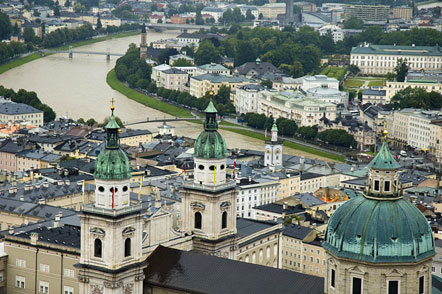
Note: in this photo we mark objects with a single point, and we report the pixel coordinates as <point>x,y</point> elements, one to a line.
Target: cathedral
<point>118,233</point>
<point>379,242</point>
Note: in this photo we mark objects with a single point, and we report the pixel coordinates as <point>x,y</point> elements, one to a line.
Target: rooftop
<point>397,50</point>
<point>199,273</point>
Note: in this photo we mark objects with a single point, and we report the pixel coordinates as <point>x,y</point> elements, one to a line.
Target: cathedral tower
<point>111,258</point>
<point>143,44</point>
<point>378,242</point>
<point>273,149</point>
<point>208,204</point>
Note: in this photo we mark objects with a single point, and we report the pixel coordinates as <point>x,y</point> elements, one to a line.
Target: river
<point>77,88</point>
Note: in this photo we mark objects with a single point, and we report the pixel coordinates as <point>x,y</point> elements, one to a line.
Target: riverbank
<point>33,56</point>
<point>117,85</point>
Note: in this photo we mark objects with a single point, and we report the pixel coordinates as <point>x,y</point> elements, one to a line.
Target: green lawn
<point>287,144</point>
<point>378,83</point>
<point>115,84</point>
<point>18,62</point>
<point>353,83</point>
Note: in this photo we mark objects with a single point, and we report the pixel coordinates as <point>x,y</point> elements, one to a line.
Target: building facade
<point>382,59</point>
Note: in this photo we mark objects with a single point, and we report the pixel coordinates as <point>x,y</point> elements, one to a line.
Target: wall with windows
<point>351,277</point>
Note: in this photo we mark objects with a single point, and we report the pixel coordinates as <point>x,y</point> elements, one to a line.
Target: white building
<point>247,98</point>
<point>382,59</point>
<point>329,95</point>
<point>319,81</point>
<point>215,12</point>
<point>20,113</point>
<point>419,128</point>
<point>337,32</point>
<point>212,68</point>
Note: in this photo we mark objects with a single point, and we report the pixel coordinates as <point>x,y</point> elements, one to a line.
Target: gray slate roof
<point>199,273</point>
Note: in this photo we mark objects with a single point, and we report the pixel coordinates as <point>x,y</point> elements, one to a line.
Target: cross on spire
<point>112,105</point>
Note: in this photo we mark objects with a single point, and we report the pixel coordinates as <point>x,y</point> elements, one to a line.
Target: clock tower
<point>111,258</point>
<point>273,149</point>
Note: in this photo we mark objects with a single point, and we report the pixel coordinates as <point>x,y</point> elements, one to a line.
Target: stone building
<point>379,242</point>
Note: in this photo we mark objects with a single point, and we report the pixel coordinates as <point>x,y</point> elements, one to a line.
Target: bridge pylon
<point>108,54</point>
<point>71,54</point>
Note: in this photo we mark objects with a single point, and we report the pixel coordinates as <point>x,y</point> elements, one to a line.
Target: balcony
<point>91,208</point>
<point>220,187</point>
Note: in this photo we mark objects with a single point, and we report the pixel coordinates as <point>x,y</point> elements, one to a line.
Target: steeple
<point>274,133</point>
<point>273,149</point>
<point>143,44</point>
<point>384,174</point>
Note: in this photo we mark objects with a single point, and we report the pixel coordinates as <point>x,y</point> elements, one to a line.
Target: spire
<point>112,127</point>
<point>210,124</point>
<point>274,133</point>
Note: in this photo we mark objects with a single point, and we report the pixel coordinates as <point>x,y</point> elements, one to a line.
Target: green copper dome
<point>112,163</point>
<point>384,160</point>
<point>210,143</point>
<point>381,228</point>
<point>379,231</point>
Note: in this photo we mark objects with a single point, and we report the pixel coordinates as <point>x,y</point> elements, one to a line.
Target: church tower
<point>378,242</point>
<point>111,258</point>
<point>143,44</point>
<point>273,149</point>
<point>208,204</point>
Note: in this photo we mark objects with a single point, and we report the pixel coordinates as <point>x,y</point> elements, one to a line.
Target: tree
<point>182,62</point>
<point>207,53</point>
<point>354,23</point>
<point>90,122</point>
<point>160,20</point>
<point>106,120</point>
<point>391,76</point>
<point>260,16</point>
<point>308,132</point>
<point>99,25</point>
<point>28,35</point>
<point>353,69</point>
<point>401,70</point>
<point>81,121</point>
<point>249,15</point>
<point>337,137</point>
<point>416,98</point>
<point>223,95</point>
<point>267,83</point>
<point>5,26</point>
<point>15,30</point>
<point>67,3</point>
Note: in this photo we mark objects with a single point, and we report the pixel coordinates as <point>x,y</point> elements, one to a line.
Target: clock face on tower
<point>268,151</point>
<point>277,151</point>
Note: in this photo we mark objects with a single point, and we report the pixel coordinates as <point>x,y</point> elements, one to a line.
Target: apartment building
<point>367,12</point>
<point>212,68</point>
<point>428,81</point>
<point>169,77</point>
<point>436,141</point>
<point>42,260</point>
<point>271,10</point>
<point>302,251</point>
<point>294,105</point>
<point>201,84</point>
<point>382,59</point>
<point>20,113</point>
<point>247,98</point>
<point>35,159</point>
<point>403,12</point>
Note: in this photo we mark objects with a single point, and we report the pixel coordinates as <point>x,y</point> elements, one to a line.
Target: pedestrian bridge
<point>156,120</point>
<point>71,53</point>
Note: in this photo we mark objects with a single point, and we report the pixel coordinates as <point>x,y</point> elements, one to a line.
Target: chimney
<point>158,199</point>
<point>250,179</point>
<point>11,230</point>
<point>41,201</point>
<point>34,238</point>
<point>57,219</point>
<point>285,205</point>
<point>22,198</point>
<point>46,185</point>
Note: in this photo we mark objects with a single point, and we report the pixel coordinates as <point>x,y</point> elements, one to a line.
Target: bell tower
<point>111,258</point>
<point>273,149</point>
<point>208,205</point>
<point>143,44</point>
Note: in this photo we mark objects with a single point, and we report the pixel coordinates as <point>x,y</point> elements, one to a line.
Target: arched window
<point>224,220</point>
<point>127,247</point>
<point>98,248</point>
<point>198,220</point>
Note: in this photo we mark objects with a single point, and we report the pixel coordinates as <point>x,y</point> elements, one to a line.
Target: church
<point>379,242</point>
<point>118,234</point>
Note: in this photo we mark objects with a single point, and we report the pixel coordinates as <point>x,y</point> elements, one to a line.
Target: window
<point>20,262</point>
<point>68,273</point>
<point>332,278</point>
<point>68,290</point>
<point>20,282</point>
<point>224,220</point>
<point>44,287</point>
<point>44,268</point>
<point>357,284</point>
<point>97,248</point>
<point>127,247</point>
<point>387,186</point>
<point>421,285</point>
<point>198,220</point>
<point>101,189</point>
<point>376,185</point>
<point>393,287</point>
